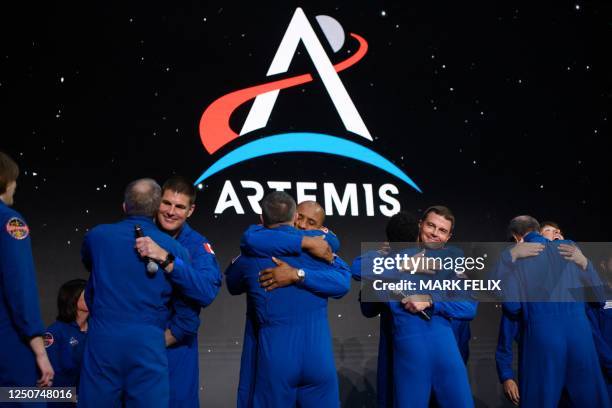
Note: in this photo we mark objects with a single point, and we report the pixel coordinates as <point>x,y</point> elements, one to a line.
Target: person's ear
<point>124,209</point>
<point>191,210</point>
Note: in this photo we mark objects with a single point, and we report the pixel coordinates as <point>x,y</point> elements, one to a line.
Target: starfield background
<point>493,108</point>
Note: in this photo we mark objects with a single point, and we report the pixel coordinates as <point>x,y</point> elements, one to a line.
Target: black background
<point>95,95</point>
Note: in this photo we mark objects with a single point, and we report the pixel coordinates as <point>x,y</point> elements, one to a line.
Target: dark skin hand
<point>279,276</point>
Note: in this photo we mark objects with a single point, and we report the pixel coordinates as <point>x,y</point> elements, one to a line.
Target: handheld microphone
<point>422,313</point>
<point>152,267</point>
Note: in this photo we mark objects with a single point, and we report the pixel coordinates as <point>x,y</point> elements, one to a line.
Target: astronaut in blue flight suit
<point>435,229</point>
<point>294,358</point>
<point>557,351</point>
<point>426,362</point>
<point>600,316</point>
<point>509,329</point>
<point>369,309</point>
<point>65,338</point>
<point>131,305</point>
<point>460,327</point>
<point>401,227</point>
<point>23,359</point>
<point>201,284</point>
<point>509,332</point>
<point>265,242</point>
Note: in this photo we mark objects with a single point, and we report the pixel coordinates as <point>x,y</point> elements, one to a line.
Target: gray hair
<point>142,197</point>
<point>522,225</point>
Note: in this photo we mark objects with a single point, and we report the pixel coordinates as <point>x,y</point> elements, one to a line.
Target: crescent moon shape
<point>306,142</point>
<point>333,31</point>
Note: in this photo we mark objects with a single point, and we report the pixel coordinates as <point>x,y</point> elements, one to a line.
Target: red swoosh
<point>215,130</point>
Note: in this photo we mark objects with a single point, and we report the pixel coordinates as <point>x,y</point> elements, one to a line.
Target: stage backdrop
<point>367,107</point>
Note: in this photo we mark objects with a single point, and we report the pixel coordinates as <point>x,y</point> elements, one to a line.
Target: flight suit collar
<point>185,230</point>
<point>284,227</point>
<point>141,219</point>
<point>535,237</point>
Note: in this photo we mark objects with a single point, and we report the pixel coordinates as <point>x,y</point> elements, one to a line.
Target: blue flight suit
<point>264,242</point>
<point>201,284</point>
<point>463,334</point>
<point>125,360</point>
<point>461,316</point>
<point>557,348</point>
<point>427,364</point>
<point>509,332</point>
<point>384,367</point>
<point>19,305</point>
<point>65,343</point>
<point>601,322</point>
<point>294,357</point>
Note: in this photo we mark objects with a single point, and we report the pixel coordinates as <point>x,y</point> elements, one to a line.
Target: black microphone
<point>422,313</point>
<point>152,267</point>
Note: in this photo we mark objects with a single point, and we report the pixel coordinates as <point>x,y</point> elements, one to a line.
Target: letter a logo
<point>300,29</point>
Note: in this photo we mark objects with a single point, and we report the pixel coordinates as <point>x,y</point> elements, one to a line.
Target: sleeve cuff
<point>437,305</point>
<point>34,331</point>
<point>178,333</point>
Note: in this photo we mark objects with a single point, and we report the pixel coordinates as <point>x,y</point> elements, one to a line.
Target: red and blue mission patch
<point>17,228</point>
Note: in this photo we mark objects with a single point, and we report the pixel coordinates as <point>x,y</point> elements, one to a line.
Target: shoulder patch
<point>324,229</point>
<point>17,228</point>
<point>208,248</point>
<point>48,339</point>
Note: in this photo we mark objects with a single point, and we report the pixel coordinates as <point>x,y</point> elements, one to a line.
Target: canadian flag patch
<point>208,248</point>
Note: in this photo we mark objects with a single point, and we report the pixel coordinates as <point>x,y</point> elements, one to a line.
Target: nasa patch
<point>48,339</point>
<point>17,228</point>
<point>324,229</point>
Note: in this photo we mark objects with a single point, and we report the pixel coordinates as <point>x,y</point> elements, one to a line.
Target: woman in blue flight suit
<point>65,339</point>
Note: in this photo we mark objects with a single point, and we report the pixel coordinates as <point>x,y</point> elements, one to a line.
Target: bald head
<point>522,225</point>
<point>142,197</point>
<point>310,215</point>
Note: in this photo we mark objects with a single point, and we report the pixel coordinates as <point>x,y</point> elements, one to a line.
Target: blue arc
<point>306,142</point>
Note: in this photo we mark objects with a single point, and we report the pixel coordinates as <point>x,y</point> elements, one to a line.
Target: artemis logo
<point>215,130</point>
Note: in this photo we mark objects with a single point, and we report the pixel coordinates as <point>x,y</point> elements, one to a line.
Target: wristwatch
<point>169,259</point>
<point>301,274</point>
